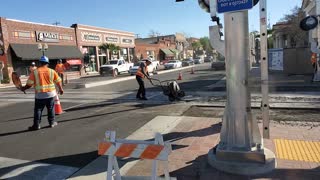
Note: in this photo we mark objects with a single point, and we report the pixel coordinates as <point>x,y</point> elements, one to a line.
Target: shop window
<point>22,34</point>
<point>66,37</point>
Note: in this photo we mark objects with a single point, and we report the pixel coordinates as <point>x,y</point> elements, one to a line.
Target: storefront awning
<point>167,52</point>
<point>175,51</point>
<point>31,52</point>
<point>74,61</point>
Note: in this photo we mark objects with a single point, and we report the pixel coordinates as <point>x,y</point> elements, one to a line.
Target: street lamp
<point>42,47</point>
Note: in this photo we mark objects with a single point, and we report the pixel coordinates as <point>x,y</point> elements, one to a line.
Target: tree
<point>111,47</point>
<point>292,28</point>
<point>205,42</point>
<point>196,45</point>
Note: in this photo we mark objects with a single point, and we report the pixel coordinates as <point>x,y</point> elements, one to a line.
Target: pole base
<point>244,168</point>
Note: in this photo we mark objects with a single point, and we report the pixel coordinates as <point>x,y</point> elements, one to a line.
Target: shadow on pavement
<point>76,161</point>
<point>200,169</point>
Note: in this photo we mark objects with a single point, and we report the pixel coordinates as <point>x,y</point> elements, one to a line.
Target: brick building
<point>21,42</point>
<point>89,39</point>
<point>158,48</point>
<point>77,46</point>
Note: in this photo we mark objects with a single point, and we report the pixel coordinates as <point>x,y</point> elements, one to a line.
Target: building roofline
<point>102,28</point>
<point>42,24</point>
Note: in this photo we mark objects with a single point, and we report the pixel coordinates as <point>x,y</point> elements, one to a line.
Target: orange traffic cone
<point>192,71</point>
<point>180,76</point>
<point>57,106</point>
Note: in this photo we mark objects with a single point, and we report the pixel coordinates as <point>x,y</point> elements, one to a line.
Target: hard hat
<point>60,60</point>
<point>33,63</point>
<point>44,59</point>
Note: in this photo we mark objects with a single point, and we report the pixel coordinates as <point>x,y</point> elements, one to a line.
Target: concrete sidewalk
<point>297,150</point>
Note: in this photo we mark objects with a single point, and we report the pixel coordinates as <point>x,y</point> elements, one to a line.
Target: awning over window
<point>74,61</point>
<point>167,52</point>
<point>175,51</point>
<point>31,52</point>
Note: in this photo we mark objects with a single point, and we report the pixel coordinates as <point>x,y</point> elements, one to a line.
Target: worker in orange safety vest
<point>43,79</point>
<point>60,68</point>
<point>314,64</point>
<point>140,75</point>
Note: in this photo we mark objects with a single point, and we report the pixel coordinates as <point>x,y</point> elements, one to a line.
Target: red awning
<point>74,61</point>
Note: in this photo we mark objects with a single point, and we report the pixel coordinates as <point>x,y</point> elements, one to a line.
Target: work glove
<point>61,91</point>
<point>23,88</point>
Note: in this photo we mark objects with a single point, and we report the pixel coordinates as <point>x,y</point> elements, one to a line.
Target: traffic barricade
<point>156,150</point>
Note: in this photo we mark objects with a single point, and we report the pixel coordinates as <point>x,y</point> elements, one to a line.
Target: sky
<point>137,16</point>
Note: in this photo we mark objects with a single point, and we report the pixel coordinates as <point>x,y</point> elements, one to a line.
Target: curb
<point>101,83</point>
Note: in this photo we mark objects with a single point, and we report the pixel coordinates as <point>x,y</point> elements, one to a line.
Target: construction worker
<point>140,75</point>
<point>43,80</point>
<point>32,67</point>
<point>314,64</point>
<point>60,70</point>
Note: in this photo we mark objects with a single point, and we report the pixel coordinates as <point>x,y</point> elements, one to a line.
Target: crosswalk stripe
<point>22,169</point>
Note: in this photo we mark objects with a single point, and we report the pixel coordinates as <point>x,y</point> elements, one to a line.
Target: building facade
<point>165,47</point>
<point>160,49</point>
<point>25,42</point>
<point>89,40</point>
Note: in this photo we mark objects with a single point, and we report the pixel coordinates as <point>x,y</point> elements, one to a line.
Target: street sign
<point>233,5</point>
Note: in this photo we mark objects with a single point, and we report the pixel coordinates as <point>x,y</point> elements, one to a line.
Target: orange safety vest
<point>60,68</point>
<point>313,58</point>
<point>139,72</point>
<point>43,79</point>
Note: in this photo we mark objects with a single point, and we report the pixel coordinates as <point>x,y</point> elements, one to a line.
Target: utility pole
<point>56,23</point>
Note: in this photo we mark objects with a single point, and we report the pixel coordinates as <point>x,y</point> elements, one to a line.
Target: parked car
<point>187,62</point>
<point>116,66</point>
<point>151,68</point>
<point>219,65</point>
<point>208,59</point>
<point>172,64</point>
<point>198,61</point>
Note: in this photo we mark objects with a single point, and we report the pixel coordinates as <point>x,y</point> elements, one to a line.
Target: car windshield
<point>113,62</point>
<point>172,61</point>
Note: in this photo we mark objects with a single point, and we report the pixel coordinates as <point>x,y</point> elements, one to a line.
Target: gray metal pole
<point>238,130</point>
<point>264,68</point>
<point>240,149</point>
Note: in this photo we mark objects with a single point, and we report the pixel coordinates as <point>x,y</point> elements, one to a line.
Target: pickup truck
<point>116,67</point>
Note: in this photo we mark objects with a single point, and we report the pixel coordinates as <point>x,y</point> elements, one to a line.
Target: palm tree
<point>111,47</point>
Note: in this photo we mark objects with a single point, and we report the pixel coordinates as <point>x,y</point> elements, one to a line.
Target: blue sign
<point>233,5</point>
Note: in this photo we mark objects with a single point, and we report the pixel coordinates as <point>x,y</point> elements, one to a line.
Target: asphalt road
<point>89,113</point>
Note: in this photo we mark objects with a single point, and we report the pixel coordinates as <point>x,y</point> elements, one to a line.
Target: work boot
<point>34,128</point>
<point>53,124</point>
<point>143,98</point>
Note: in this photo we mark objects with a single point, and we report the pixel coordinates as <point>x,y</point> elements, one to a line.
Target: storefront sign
<point>47,36</point>
<point>127,41</point>
<point>112,39</point>
<point>91,37</point>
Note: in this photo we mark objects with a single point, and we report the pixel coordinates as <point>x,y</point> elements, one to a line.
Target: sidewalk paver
<point>194,137</point>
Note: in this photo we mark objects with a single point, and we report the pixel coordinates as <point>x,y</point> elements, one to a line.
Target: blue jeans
<point>38,108</point>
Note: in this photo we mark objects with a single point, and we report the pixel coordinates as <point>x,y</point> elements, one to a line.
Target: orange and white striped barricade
<point>156,150</point>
